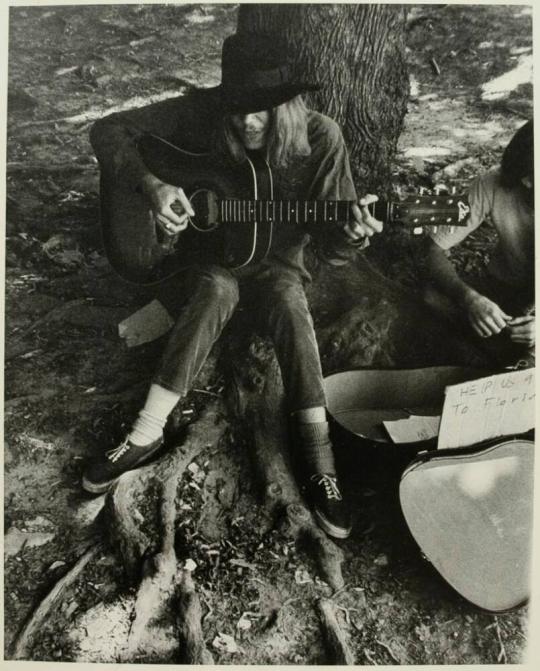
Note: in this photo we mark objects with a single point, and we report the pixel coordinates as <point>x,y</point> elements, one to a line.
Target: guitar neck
<point>412,212</point>
<point>302,212</point>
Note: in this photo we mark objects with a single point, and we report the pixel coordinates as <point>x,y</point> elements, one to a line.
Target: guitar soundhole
<point>205,206</point>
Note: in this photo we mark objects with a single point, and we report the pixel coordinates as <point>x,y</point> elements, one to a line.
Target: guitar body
<point>137,248</point>
<point>470,511</point>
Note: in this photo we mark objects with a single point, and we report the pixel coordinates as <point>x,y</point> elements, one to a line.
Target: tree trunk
<point>357,53</point>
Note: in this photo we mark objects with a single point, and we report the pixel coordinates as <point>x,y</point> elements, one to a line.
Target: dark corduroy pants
<point>275,296</point>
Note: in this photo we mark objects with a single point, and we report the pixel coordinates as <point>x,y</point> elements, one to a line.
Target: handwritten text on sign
<point>500,405</point>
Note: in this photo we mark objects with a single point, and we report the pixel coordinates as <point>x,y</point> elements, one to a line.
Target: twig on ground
<point>435,66</point>
<point>388,650</point>
<point>501,657</point>
<point>523,115</point>
<point>204,391</point>
<point>369,658</point>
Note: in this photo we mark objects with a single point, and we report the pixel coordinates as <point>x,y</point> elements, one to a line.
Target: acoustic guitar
<point>235,214</point>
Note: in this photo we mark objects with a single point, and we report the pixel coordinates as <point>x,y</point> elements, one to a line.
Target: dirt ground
<point>71,384</point>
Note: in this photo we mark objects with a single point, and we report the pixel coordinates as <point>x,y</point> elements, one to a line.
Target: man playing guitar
<point>255,117</point>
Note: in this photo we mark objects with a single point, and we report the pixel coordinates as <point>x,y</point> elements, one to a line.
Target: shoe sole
<point>102,487</point>
<point>331,529</point>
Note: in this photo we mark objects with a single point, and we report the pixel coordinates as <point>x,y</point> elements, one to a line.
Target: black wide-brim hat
<point>255,75</point>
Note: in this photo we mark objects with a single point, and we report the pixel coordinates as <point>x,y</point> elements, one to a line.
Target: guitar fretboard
<point>296,211</point>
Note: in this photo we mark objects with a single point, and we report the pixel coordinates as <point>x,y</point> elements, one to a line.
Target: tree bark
<point>356,52</point>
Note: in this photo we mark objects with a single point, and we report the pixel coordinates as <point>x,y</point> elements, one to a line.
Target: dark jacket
<point>190,122</point>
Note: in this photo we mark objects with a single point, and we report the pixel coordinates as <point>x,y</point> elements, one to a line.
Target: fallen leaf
<point>321,583</point>
<point>243,623</point>
<point>302,577</point>
<point>39,523</point>
<point>225,643</point>
<point>16,539</point>
<point>71,608</point>
<point>190,565</point>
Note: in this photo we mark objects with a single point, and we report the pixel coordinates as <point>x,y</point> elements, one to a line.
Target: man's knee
<point>219,287</point>
<point>288,303</point>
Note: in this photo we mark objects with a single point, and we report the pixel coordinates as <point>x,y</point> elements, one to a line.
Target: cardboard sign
<point>499,405</point>
<point>147,324</point>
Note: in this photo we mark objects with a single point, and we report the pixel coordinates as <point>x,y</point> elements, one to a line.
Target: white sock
<point>148,426</point>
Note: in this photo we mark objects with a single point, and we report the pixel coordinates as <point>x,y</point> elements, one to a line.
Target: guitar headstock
<point>431,210</point>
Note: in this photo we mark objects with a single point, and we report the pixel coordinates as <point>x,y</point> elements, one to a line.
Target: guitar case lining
<point>359,401</point>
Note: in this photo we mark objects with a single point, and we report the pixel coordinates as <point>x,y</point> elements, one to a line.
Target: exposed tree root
<point>133,514</point>
<point>189,618</point>
<point>150,637</point>
<point>23,644</point>
<point>140,515</point>
<point>152,606</point>
<point>338,648</point>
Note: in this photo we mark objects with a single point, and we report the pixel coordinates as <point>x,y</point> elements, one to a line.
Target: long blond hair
<point>287,136</point>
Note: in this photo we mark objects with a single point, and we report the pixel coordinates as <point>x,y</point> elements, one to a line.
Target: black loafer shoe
<point>99,476</point>
<point>328,506</point>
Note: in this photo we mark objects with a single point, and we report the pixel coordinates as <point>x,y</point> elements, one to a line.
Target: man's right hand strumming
<point>170,205</point>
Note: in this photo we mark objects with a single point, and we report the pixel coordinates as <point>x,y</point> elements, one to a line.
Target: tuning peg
<point>437,190</point>
<point>418,230</point>
<point>453,191</point>
<point>422,190</point>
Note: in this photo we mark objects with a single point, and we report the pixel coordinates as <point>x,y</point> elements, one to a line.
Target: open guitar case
<point>469,509</point>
